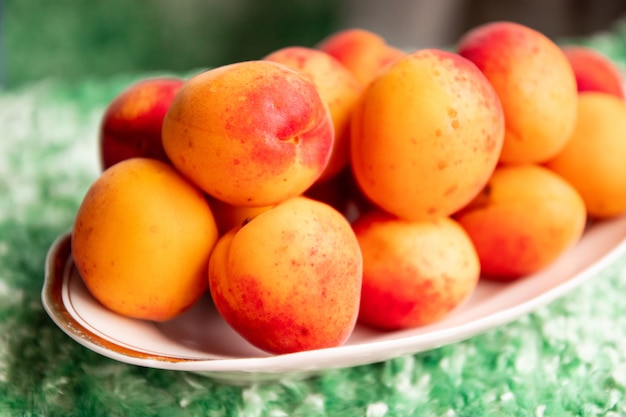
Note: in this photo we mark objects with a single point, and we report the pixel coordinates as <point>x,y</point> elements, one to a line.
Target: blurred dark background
<point>72,39</point>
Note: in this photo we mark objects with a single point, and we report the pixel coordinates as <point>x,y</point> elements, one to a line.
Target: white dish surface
<point>201,341</point>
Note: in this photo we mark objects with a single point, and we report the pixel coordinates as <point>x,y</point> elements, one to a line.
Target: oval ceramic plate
<point>200,341</point>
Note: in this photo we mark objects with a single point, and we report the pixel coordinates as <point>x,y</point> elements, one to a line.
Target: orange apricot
<point>337,87</point>
<point>290,279</point>
<point>414,272</point>
<point>250,133</point>
<point>363,52</point>
<point>535,83</point>
<point>594,159</point>
<point>142,239</point>
<point>426,135</point>
<point>522,221</point>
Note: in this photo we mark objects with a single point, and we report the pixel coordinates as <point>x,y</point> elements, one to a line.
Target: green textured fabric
<point>565,359</point>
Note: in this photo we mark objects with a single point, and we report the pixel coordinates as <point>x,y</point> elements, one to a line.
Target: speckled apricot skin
<point>414,272</point>
<point>290,279</point>
<point>524,219</point>
<point>142,238</point>
<point>535,83</point>
<point>426,135</point>
<point>337,87</point>
<point>131,124</point>
<point>251,133</point>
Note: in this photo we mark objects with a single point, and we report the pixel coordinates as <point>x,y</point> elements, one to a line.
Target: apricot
<point>426,135</point>
<point>131,125</point>
<point>414,272</point>
<point>594,159</point>
<point>290,279</point>
<point>535,83</point>
<point>228,217</point>
<point>251,133</point>
<point>364,53</point>
<point>337,87</point>
<point>522,221</point>
<point>594,71</point>
<point>142,238</point>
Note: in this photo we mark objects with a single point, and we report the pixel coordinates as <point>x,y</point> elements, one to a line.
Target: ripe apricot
<point>290,279</point>
<point>363,52</point>
<point>523,220</point>
<point>131,125</point>
<point>142,239</point>
<point>594,71</point>
<point>426,135</point>
<point>535,83</point>
<point>337,87</point>
<point>594,159</point>
<point>414,272</point>
<point>250,133</point>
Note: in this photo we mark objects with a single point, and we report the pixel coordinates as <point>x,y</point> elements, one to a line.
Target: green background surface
<point>73,39</point>
<point>565,359</point>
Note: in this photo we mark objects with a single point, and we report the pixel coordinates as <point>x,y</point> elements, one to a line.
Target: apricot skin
<point>364,53</point>
<point>228,217</point>
<point>337,87</point>
<point>594,159</point>
<point>535,83</point>
<point>142,239</point>
<point>414,273</point>
<point>290,279</point>
<point>250,133</point>
<point>426,135</point>
<point>523,220</point>
<point>131,125</point>
<point>594,71</point>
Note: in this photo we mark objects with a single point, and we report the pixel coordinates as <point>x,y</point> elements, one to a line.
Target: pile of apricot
<point>318,187</point>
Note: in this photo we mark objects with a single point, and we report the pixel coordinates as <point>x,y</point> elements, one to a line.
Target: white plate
<point>200,341</point>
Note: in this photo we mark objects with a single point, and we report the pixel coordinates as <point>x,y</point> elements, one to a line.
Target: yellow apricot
<point>142,238</point>
<point>594,159</point>
<point>426,135</point>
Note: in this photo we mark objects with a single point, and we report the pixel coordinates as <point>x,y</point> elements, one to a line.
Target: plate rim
<point>59,260</point>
